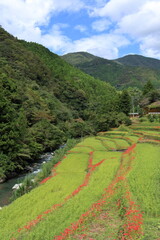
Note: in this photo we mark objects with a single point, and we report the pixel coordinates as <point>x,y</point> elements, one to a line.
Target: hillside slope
<point>139,61</point>
<point>78,58</point>
<point>97,191</point>
<point>44,101</point>
<point>130,71</point>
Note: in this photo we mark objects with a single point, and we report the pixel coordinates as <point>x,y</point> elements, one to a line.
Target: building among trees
<point>153,108</point>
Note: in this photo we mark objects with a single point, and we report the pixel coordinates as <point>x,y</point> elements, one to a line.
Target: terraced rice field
<point>106,187</point>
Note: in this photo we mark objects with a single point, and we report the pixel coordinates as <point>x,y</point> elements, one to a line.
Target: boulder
<point>17,186</point>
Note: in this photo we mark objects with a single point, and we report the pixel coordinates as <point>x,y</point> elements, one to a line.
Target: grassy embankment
<point>96,192</point>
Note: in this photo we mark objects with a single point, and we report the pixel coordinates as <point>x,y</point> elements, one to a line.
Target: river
<point>6,187</point>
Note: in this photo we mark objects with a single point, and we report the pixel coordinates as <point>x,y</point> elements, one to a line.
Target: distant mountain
<point>139,61</point>
<point>131,70</point>
<point>78,58</point>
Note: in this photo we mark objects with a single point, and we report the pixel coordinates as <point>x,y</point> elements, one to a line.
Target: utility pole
<point>132,105</point>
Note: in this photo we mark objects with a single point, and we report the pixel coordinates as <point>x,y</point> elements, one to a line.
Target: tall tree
<point>135,94</point>
<point>125,102</point>
<point>148,87</point>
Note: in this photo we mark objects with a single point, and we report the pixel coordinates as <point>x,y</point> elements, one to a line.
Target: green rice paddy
<point>106,187</point>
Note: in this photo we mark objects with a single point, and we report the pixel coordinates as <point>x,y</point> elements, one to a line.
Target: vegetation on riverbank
<point>31,181</point>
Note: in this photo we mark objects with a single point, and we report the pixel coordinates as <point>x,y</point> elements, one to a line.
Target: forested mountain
<point>44,101</point>
<point>129,71</point>
<point>139,61</point>
<point>78,57</point>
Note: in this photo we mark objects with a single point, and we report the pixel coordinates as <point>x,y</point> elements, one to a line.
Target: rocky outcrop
<point>2,180</point>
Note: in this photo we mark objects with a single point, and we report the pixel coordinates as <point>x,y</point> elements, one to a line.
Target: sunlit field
<point>106,187</point>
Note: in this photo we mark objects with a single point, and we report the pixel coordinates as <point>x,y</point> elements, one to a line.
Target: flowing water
<point>6,187</point>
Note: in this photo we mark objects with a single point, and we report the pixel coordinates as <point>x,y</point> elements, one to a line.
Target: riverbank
<point>40,170</point>
<point>6,187</point>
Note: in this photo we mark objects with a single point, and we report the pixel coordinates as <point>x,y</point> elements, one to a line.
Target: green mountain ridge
<point>45,101</point>
<point>79,57</point>
<point>129,71</point>
<point>139,61</point>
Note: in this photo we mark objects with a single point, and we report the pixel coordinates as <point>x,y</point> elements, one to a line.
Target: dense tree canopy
<point>125,102</point>
<point>148,87</point>
<point>44,101</point>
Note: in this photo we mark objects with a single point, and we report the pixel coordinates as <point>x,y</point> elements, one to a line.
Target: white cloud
<point>104,45</point>
<point>150,47</point>
<point>81,28</point>
<point>24,13</point>
<point>22,18</point>
<point>101,25</point>
<point>67,5</point>
<point>144,27</point>
<point>138,19</point>
<point>144,22</point>
<point>116,9</point>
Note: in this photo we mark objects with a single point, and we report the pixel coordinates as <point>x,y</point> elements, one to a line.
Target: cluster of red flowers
<point>91,168</point>
<point>46,179</point>
<point>133,216</point>
<point>96,207</point>
<point>54,173</point>
<point>142,140</point>
<point>130,149</point>
<point>40,217</point>
<point>133,220</point>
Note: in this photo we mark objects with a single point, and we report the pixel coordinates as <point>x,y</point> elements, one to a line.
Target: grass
<point>72,209</point>
<point>70,163</point>
<point>144,182</point>
<point>103,191</point>
<point>70,174</point>
<point>93,143</point>
<point>44,197</point>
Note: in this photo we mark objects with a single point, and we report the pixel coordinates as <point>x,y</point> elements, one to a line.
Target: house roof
<point>154,105</point>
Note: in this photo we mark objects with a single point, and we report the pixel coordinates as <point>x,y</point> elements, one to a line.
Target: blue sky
<point>105,28</point>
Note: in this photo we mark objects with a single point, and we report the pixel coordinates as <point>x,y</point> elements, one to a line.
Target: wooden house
<point>153,108</point>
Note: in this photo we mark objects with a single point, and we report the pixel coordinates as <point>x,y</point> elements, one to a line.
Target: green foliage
<point>44,101</point>
<point>129,71</point>
<point>151,118</point>
<point>48,135</point>
<point>148,87</point>
<point>78,58</point>
<point>153,95</point>
<point>125,102</point>
<point>136,95</point>
<point>12,125</point>
<point>139,61</point>
<point>106,121</point>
